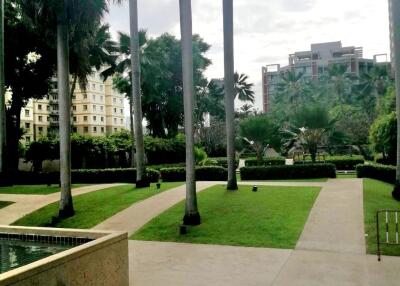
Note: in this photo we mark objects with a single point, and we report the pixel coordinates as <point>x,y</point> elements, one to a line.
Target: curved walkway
<point>26,204</point>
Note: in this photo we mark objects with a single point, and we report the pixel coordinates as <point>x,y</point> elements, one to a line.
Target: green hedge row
<point>277,161</point>
<point>376,171</point>
<point>308,171</point>
<point>89,176</point>
<point>208,173</point>
<point>340,162</point>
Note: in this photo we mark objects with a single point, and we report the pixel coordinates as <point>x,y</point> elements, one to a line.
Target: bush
<point>165,151</point>
<point>223,162</point>
<point>266,162</point>
<point>308,171</point>
<point>340,162</point>
<point>376,171</point>
<point>89,176</point>
<point>209,173</point>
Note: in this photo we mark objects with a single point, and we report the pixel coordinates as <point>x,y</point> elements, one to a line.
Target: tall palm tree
<point>229,87</point>
<point>243,90</point>
<point>394,13</point>
<point>341,82</point>
<point>192,215</point>
<point>136,96</point>
<point>291,90</point>
<point>2,95</point>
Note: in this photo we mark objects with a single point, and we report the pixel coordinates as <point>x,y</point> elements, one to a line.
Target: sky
<point>267,31</point>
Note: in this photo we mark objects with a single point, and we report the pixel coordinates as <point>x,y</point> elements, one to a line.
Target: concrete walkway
<point>26,204</point>
<point>330,251</point>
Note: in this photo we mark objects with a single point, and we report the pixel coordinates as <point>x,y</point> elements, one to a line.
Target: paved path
<point>330,251</point>
<point>25,204</point>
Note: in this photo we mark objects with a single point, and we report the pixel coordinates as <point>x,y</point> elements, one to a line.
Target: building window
<point>75,119</point>
<point>85,118</point>
<point>115,120</point>
<point>55,96</point>
<point>55,107</point>
<point>102,129</point>
<point>74,97</point>
<point>94,107</point>
<point>84,96</point>
<point>94,97</point>
<point>114,100</point>
<point>102,108</point>
<point>101,87</point>
<point>122,111</point>
<point>40,118</point>
<point>86,129</point>
<point>122,121</point>
<point>101,98</point>
<point>39,106</point>
<point>85,107</point>
<point>27,125</point>
<point>27,112</point>
<point>48,107</point>
<point>102,119</point>
<point>74,108</point>
<point>27,139</point>
<point>115,110</point>
<point>93,86</point>
<point>94,118</point>
<point>115,129</point>
<point>48,118</point>
<point>40,129</point>
<point>95,129</point>
<point>120,100</point>
<point>74,129</point>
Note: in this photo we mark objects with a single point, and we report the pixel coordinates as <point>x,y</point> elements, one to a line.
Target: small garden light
<point>183,229</point>
<point>158,185</point>
<point>255,188</point>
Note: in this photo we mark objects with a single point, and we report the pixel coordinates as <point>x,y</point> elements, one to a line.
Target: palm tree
<point>243,89</point>
<point>394,13</point>
<point>2,95</point>
<point>192,215</point>
<point>229,87</point>
<point>66,14</point>
<point>291,89</point>
<point>341,82</point>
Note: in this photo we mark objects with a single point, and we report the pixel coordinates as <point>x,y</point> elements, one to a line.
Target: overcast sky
<point>266,31</point>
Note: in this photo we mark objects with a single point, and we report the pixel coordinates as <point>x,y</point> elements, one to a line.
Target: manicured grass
<point>5,204</point>
<point>93,208</point>
<point>272,217</point>
<point>378,196</point>
<point>33,189</point>
<point>317,180</point>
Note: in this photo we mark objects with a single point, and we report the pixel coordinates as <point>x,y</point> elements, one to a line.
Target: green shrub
<point>208,173</point>
<point>89,176</point>
<point>307,171</point>
<point>340,162</point>
<point>376,171</point>
<point>276,161</point>
<point>165,151</point>
<point>223,162</point>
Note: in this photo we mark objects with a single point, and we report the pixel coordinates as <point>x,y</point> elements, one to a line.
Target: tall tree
<point>341,82</point>
<point>243,89</point>
<point>136,96</point>
<point>2,95</point>
<point>394,12</point>
<point>192,215</point>
<point>229,87</point>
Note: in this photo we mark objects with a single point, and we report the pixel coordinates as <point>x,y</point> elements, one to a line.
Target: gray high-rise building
<point>314,63</point>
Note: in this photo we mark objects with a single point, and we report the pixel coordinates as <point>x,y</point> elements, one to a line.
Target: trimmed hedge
<point>340,162</point>
<point>89,176</point>
<point>276,161</point>
<point>208,173</point>
<point>376,171</point>
<point>223,162</point>
<point>307,171</point>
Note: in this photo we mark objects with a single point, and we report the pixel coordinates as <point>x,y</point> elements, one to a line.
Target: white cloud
<point>267,31</point>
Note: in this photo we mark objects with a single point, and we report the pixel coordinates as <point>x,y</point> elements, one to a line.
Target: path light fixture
<point>255,189</point>
<point>183,229</point>
<point>158,185</point>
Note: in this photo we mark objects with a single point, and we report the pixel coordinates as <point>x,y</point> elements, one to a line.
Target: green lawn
<point>33,189</point>
<point>93,208</point>
<point>272,217</point>
<point>5,204</point>
<point>294,180</point>
<point>377,196</point>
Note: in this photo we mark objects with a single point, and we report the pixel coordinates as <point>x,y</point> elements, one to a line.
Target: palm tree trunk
<point>229,86</point>
<point>66,208</point>
<point>2,95</point>
<point>394,13</point>
<point>137,100</point>
<point>192,215</point>
<point>132,163</point>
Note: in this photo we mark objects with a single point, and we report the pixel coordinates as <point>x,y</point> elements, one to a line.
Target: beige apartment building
<point>97,112</point>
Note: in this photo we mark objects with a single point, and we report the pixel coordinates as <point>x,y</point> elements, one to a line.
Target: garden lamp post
<point>2,95</point>
<point>192,216</point>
